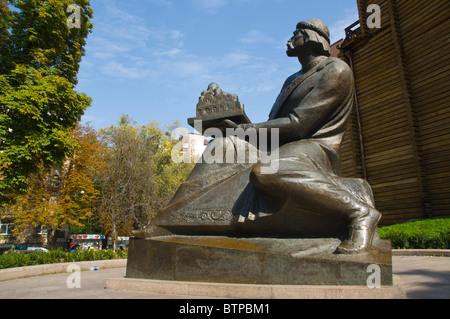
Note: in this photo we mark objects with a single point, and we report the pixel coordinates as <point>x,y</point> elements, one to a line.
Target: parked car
<point>74,247</point>
<point>23,248</point>
<point>45,250</point>
<point>20,247</point>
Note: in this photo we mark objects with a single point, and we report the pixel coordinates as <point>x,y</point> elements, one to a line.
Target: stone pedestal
<point>262,261</point>
<point>190,289</point>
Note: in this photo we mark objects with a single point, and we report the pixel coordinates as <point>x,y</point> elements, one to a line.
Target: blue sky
<point>151,59</point>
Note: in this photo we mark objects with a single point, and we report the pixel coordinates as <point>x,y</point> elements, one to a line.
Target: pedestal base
<point>263,261</point>
<point>246,291</point>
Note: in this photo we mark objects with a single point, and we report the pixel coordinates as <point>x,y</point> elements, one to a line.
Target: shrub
<point>13,259</point>
<point>421,234</point>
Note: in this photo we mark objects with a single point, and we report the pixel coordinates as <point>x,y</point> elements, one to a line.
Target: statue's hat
<point>316,25</point>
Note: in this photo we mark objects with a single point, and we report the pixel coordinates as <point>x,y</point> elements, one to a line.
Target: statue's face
<point>295,44</point>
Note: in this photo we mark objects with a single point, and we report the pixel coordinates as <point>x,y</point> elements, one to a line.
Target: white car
<point>38,249</point>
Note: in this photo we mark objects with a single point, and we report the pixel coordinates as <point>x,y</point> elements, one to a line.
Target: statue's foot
<point>360,241</point>
<point>251,217</point>
<point>139,233</point>
<point>361,233</point>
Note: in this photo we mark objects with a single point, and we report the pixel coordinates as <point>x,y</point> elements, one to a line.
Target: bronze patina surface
<point>255,261</point>
<point>305,195</point>
<point>291,194</point>
<point>215,105</point>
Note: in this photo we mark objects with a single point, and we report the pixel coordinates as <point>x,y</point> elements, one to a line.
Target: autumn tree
<point>140,177</point>
<point>66,194</point>
<point>39,107</point>
<point>5,23</point>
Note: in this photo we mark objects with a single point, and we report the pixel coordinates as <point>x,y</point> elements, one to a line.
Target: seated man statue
<point>305,195</point>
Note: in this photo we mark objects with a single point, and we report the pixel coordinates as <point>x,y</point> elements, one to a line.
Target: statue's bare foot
<point>251,217</point>
<point>361,233</point>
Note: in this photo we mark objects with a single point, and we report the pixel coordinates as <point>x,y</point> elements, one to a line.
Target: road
<point>422,278</point>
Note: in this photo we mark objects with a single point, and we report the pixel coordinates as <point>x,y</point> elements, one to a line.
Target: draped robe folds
<point>305,196</point>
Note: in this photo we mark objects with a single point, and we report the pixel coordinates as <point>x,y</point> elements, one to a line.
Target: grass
<point>13,259</point>
<point>421,234</point>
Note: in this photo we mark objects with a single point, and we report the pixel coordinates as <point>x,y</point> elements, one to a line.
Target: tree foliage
<point>38,114</point>
<point>39,106</point>
<point>125,177</point>
<point>37,35</point>
<point>140,176</point>
<point>66,194</point>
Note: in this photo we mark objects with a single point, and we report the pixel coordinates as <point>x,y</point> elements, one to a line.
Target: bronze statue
<point>305,195</point>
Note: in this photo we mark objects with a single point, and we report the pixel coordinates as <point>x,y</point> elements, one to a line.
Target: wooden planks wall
<point>402,82</point>
<point>425,30</point>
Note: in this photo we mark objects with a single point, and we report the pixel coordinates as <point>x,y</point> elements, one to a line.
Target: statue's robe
<point>306,195</point>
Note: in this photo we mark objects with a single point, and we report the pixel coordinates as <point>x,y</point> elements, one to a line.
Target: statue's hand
<point>230,124</point>
<point>246,126</point>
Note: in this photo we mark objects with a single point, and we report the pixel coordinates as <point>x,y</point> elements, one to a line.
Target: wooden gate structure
<point>399,137</point>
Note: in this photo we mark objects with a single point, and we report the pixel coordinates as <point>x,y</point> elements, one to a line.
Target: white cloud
<point>210,5</point>
<point>118,71</point>
<point>104,48</point>
<point>234,59</point>
<point>125,48</point>
<point>337,29</point>
<point>257,37</point>
<point>169,52</point>
<point>190,68</point>
<point>162,3</point>
<point>126,32</point>
<point>93,121</point>
<point>213,6</point>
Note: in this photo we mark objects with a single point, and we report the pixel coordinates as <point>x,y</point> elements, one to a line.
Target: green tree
<point>140,177</point>
<point>5,26</point>
<point>39,106</point>
<point>39,36</point>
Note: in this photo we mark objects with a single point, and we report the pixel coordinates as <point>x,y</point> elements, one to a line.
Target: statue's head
<point>312,33</point>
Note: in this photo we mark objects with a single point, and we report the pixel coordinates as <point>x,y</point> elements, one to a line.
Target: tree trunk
<point>52,236</point>
<point>114,236</point>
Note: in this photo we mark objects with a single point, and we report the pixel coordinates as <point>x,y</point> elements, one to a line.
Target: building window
<point>41,230</point>
<point>5,229</point>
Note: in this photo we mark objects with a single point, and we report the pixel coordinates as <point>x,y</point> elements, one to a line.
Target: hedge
<point>14,259</point>
<point>420,234</point>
